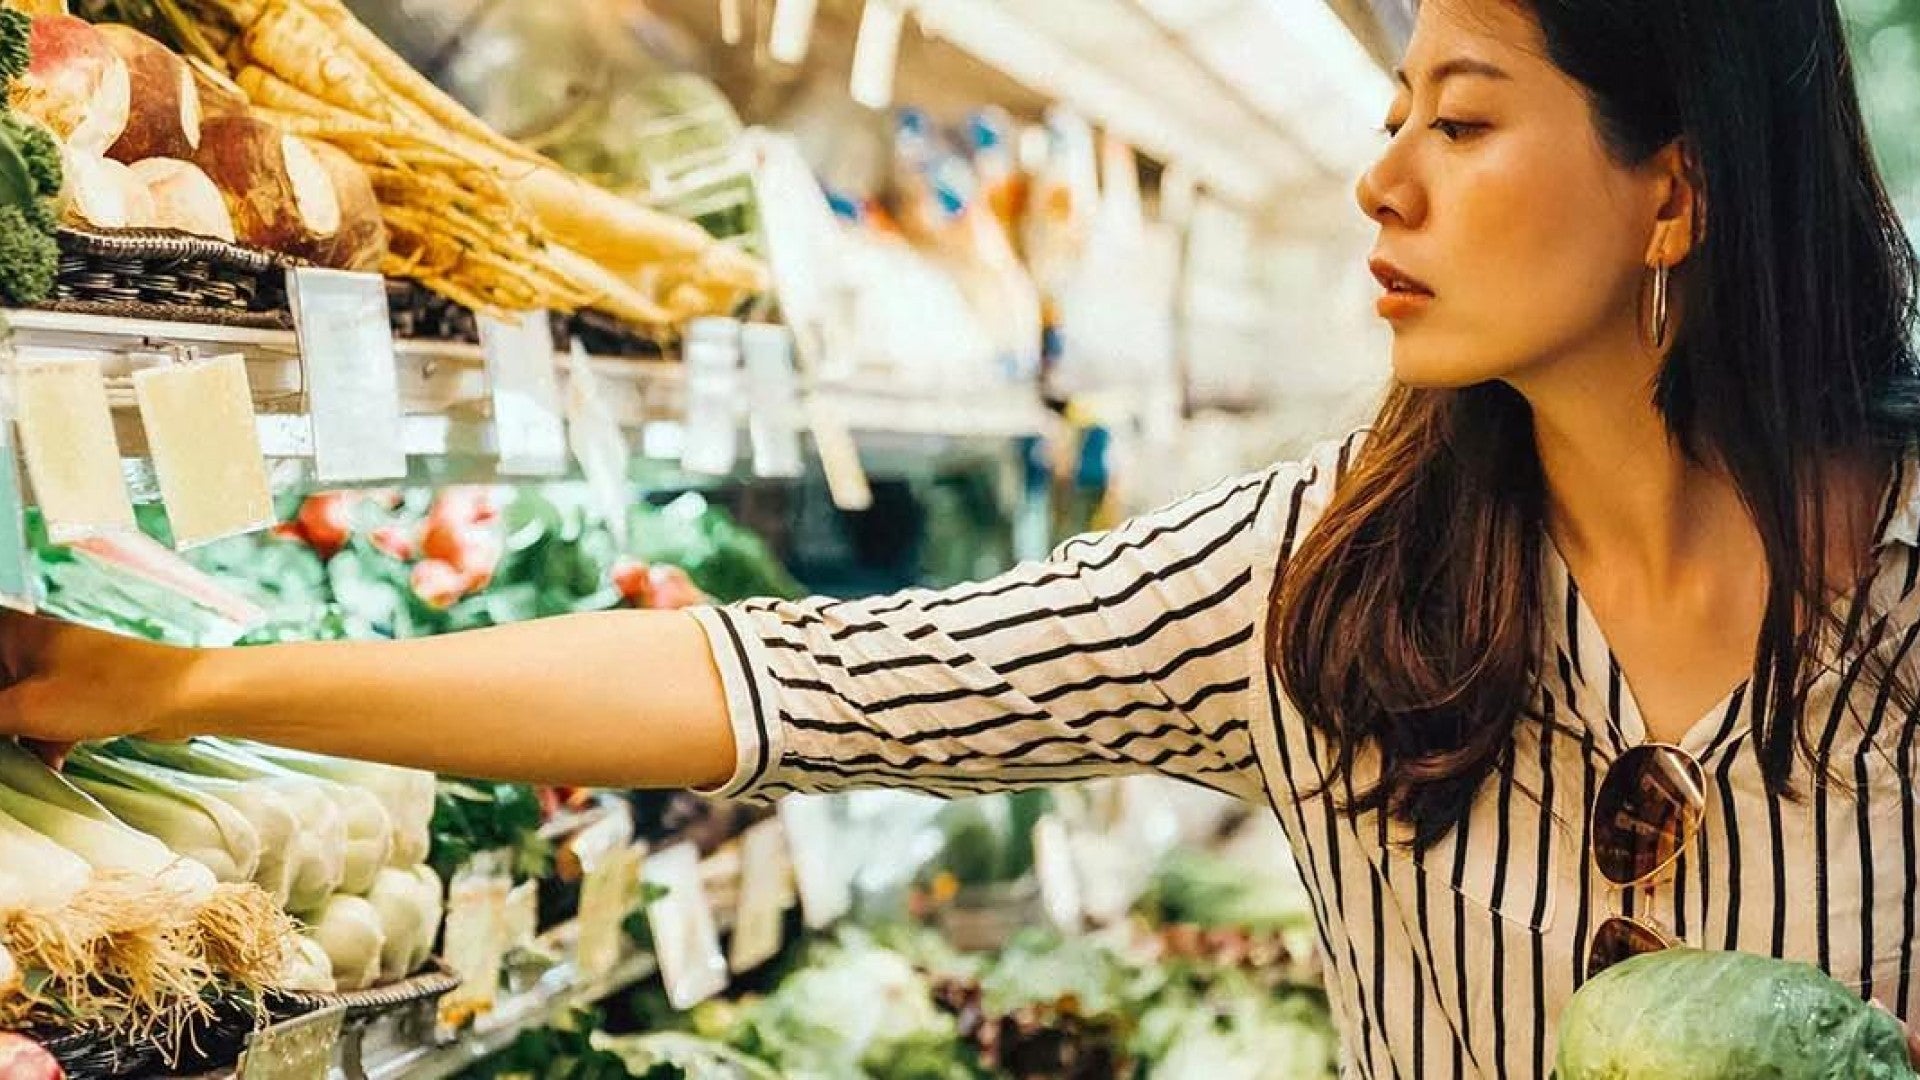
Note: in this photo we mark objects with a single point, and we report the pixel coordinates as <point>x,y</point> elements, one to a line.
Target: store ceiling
<point>1265,100</point>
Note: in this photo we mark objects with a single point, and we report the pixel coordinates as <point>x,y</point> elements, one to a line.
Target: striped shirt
<point>1144,649</point>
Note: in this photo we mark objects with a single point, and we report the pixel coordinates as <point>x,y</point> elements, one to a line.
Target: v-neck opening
<point>1591,656</point>
<point>1620,717</point>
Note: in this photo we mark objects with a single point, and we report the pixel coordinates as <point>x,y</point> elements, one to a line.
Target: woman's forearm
<point>626,699</point>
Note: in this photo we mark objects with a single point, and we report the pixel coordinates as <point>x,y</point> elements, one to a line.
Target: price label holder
<point>792,31</point>
<point>773,400</point>
<point>523,916</point>
<point>18,582</point>
<point>686,938</point>
<point>711,439</point>
<point>72,456</point>
<point>598,443</point>
<point>352,376</point>
<point>608,894</point>
<point>297,1049</point>
<point>530,431</point>
<point>205,448</point>
<point>876,53</point>
<point>839,456</point>
<point>1059,880</point>
<point>475,937</point>
<point>766,891</point>
<point>822,874</point>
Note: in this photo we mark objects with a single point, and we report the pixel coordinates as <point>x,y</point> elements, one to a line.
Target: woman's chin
<point>1425,368</point>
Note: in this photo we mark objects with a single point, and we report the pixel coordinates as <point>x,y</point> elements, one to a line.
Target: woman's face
<point>1521,242</point>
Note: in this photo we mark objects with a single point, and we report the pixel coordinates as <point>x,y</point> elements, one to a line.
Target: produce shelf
<point>443,386</point>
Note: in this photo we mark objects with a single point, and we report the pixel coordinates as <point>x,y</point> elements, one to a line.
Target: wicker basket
<point>165,275</point>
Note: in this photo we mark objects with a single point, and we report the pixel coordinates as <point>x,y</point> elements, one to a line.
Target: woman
<point>1652,319</point>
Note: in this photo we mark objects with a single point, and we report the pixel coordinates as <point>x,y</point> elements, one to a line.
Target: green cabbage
<point>1683,1014</point>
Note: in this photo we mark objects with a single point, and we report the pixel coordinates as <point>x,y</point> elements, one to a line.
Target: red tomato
<point>394,541</point>
<point>630,577</point>
<point>438,584</point>
<point>326,519</point>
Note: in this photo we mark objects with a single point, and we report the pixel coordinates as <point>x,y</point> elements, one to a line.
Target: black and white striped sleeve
<point>1128,651</point>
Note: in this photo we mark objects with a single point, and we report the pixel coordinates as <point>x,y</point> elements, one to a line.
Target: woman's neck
<point>1620,490</point>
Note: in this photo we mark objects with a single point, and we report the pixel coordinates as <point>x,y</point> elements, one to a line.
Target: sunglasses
<point>1648,810</point>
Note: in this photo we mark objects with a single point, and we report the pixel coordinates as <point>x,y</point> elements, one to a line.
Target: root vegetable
<point>281,196</point>
<point>76,84</point>
<point>219,95</point>
<point>103,193</point>
<point>185,198</point>
<point>360,243</point>
<point>164,119</point>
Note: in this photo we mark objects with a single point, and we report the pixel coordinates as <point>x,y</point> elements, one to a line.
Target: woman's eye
<point>1454,130</point>
<point>1391,129</point>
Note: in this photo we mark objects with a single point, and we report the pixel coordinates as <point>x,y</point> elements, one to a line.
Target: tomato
<point>326,520</point>
<point>630,577</point>
<point>394,541</point>
<point>438,584</point>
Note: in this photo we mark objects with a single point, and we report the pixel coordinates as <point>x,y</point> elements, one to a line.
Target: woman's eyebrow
<point>1458,67</point>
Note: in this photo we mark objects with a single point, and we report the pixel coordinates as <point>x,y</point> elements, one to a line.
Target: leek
<point>46,802</point>
<point>201,827</point>
<point>308,969</point>
<point>318,851</point>
<point>265,808</point>
<point>349,929</point>
<point>406,794</point>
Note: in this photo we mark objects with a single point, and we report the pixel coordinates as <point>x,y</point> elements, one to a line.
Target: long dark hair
<point>1411,619</point>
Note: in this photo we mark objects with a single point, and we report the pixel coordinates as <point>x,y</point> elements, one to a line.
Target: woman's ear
<point>1680,220</point>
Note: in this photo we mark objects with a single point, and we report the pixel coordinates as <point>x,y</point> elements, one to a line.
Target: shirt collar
<point>1902,503</point>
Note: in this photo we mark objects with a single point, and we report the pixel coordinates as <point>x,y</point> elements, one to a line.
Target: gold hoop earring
<point>1659,324</point>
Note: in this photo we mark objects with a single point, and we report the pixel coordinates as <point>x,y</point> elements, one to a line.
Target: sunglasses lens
<point>1648,810</point>
<point>1620,939</point>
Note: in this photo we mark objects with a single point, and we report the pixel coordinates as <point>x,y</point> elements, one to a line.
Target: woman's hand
<point>61,684</point>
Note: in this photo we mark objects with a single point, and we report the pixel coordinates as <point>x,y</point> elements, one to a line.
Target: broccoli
<point>29,178</point>
<point>38,148</point>
<point>16,27</point>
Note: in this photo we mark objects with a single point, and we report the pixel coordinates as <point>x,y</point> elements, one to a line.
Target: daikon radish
<point>279,193</point>
<point>164,119</point>
<point>76,84</point>
<point>185,198</point>
<point>219,95</point>
<point>102,193</point>
<point>361,241</point>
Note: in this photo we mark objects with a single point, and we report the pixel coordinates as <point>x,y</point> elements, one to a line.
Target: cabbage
<point>1724,1016</point>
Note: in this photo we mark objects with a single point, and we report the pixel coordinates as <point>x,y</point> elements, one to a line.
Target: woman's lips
<point>1406,296</point>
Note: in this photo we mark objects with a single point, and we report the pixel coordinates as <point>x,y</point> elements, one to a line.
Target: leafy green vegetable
<point>29,180</point>
<point>1205,889</point>
<point>1724,1016</point>
<point>728,562</point>
<point>471,816</point>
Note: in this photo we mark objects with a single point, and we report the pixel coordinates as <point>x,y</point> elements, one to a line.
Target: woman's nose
<point>1387,192</point>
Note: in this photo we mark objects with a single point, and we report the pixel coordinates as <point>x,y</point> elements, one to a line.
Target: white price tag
<point>598,443</point>
<point>712,434</point>
<point>766,892</point>
<point>523,915</point>
<point>686,939</point>
<point>823,875</point>
<point>528,424</point>
<point>296,1049</point>
<point>73,457</point>
<point>352,378</point>
<point>1059,880</point>
<point>18,582</point>
<point>205,448</point>
<point>792,31</point>
<point>839,457</point>
<point>773,400</point>
<point>475,938</point>
<point>876,53</point>
<point>608,894</point>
